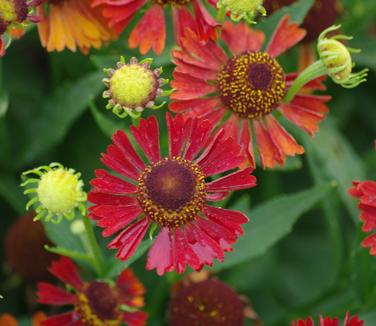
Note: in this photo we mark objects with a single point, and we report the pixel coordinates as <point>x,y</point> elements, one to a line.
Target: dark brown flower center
<point>98,305</point>
<point>173,2</point>
<point>209,302</point>
<point>102,300</point>
<point>252,84</point>
<point>172,191</point>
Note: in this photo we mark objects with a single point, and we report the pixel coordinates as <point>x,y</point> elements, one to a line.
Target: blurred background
<point>301,252</point>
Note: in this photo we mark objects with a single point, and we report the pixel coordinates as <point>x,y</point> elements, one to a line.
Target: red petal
<point>228,218</point>
<point>101,198</point>
<point>305,119</point>
<point>147,136</point>
<point>246,144</point>
<point>208,52</point>
<point>183,254</point>
<point>117,161</point>
<point>121,140</point>
<point>182,19</point>
<point>150,32</point>
<point>67,318</point>
<point>130,289</point>
<point>66,271</point>
<point>206,24</point>
<point>115,218</point>
<point>216,196</point>
<point>285,36</point>
<point>217,232</point>
<point>240,38</point>
<point>234,181</point>
<point>198,138</point>
<point>50,294</point>
<point>188,87</point>
<point>205,247</point>
<point>105,182</point>
<point>137,318</point>
<point>199,108</point>
<point>128,241</point>
<point>193,70</point>
<point>283,140</point>
<point>269,152</point>
<point>220,156</point>
<point>176,133</point>
<point>160,254</point>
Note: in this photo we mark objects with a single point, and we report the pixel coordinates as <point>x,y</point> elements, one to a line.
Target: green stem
<point>312,72</point>
<point>221,15</point>
<point>95,251</point>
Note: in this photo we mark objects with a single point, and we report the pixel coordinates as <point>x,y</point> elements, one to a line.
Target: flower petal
<point>137,318</point>
<point>69,318</point>
<point>230,219</point>
<point>160,254</point>
<point>285,36</point>
<point>147,136</point>
<point>131,291</point>
<point>50,294</point>
<point>106,182</point>
<point>183,254</point>
<point>177,133</point>
<point>128,241</point>
<point>283,140</point>
<point>66,271</point>
<point>220,156</point>
<point>122,142</point>
<point>115,218</point>
<point>235,181</point>
<point>270,154</point>
<point>150,32</point>
<point>240,38</point>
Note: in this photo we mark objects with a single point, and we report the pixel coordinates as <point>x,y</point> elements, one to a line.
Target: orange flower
<point>9,320</point>
<point>71,24</point>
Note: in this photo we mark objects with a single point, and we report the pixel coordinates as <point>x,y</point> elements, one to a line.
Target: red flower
<point>171,191</point>
<point>251,85</point>
<point>150,31</point>
<point>366,192</point>
<point>96,302</point>
<point>327,321</point>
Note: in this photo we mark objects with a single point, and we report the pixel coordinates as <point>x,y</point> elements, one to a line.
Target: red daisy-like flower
<point>150,31</point>
<point>249,84</point>
<point>328,321</point>
<point>366,192</point>
<point>172,192</point>
<point>96,303</point>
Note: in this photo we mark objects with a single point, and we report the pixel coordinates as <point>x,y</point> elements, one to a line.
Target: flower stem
<point>94,247</point>
<point>221,15</point>
<point>312,72</point>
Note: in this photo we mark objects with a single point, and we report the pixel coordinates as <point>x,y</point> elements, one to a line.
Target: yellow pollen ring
<point>170,217</point>
<point>89,317</point>
<point>239,94</point>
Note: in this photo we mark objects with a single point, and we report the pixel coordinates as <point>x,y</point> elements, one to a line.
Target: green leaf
<point>56,116</point>
<point>296,11</point>
<point>62,236</point>
<point>118,265</point>
<point>269,223</point>
<point>338,161</point>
